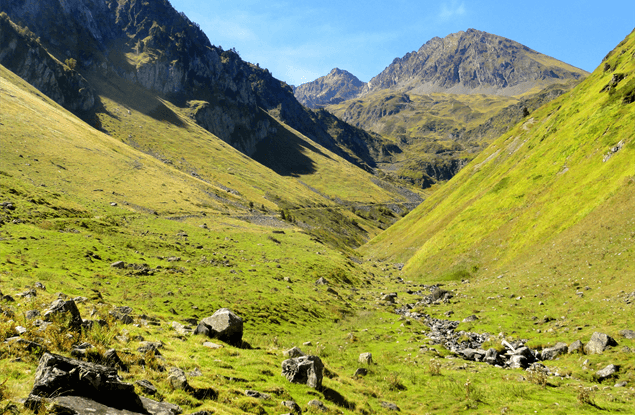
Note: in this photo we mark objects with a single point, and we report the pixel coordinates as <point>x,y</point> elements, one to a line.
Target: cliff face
<point>472,62</point>
<point>151,44</point>
<point>21,53</point>
<point>337,86</point>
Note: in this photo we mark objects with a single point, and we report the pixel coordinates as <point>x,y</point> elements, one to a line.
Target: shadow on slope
<point>286,153</point>
<point>134,97</point>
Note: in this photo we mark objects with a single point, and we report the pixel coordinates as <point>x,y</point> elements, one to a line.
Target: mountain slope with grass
<point>548,176</point>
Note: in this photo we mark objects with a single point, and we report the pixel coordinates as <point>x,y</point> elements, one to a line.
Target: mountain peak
<point>339,85</point>
<point>472,61</point>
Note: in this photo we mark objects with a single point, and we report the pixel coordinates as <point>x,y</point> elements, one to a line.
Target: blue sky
<point>299,41</point>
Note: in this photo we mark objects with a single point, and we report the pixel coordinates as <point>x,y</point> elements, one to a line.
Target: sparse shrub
<point>434,367</point>
<point>585,397</point>
<point>537,377</point>
<point>394,383</point>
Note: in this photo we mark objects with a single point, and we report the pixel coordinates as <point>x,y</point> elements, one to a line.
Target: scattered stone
<point>304,370</point>
<point>122,314</point>
<point>27,294</point>
<point>294,407</point>
<point>621,384</point>
<point>223,325</point>
<point>27,345</point>
<point>181,329</point>
<point>551,353</point>
<point>365,358</point>
<point>607,372</point>
<point>212,345</point>
<point>195,373</point>
<point>65,309</point>
<point>146,347</point>
<point>307,343</point>
<point>576,347</point>
<point>257,395</point>
<point>318,405</point>
<point>20,330</point>
<point>390,298</point>
<point>626,349</point>
<point>146,387</point>
<point>293,352</point>
<point>470,319</point>
<point>321,281</point>
<point>112,359</point>
<point>362,371</point>
<point>599,343</point>
<point>178,380</point>
<point>628,334</point>
<point>40,286</point>
<point>118,265</point>
<point>390,406</point>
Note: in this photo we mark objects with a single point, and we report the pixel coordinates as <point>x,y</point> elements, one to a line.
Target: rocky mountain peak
<point>339,85</point>
<point>472,62</point>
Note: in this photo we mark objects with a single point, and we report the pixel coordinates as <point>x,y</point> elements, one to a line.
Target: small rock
<point>118,265</point>
<point>292,352</point>
<point>257,395</point>
<point>365,358</point>
<point>146,387</point>
<point>390,406</point>
<point>223,325</point>
<point>362,371</point>
<point>178,380</point>
<point>551,353</point>
<point>470,319</point>
<point>621,384</point>
<point>321,281</point>
<point>212,345</point>
<point>576,347</point>
<point>294,407</point>
<point>318,405</point>
<point>628,334</point>
<point>304,370</point>
<point>607,372</point>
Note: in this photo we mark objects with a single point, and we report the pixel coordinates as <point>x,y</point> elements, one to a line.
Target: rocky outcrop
<point>598,343</point>
<point>21,53</point>
<point>337,86</point>
<point>76,387</point>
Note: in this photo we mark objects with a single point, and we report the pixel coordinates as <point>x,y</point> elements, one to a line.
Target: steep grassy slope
<point>567,160</point>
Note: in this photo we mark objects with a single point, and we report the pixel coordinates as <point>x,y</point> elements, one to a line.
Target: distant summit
<point>472,62</point>
<point>339,85</point>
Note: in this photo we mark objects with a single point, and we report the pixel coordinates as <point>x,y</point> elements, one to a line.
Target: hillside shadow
<point>135,98</point>
<point>337,398</point>
<point>286,153</point>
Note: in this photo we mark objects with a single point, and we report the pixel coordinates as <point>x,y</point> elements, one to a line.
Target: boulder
<point>518,362</point>
<point>257,395</point>
<point>607,372</point>
<point>304,370</point>
<point>146,387</point>
<point>178,380</point>
<point>65,309</point>
<point>598,343</point>
<point>366,358</point>
<point>360,372</point>
<point>223,325</point>
<point>470,319</point>
<point>122,314</point>
<point>491,357</point>
<point>551,353</point>
<point>576,347</point>
<point>390,406</point>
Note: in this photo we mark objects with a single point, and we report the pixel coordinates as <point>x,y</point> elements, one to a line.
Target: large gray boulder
<point>223,325</point>
<point>607,372</point>
<point>599,343</point>
<point>305,370</point>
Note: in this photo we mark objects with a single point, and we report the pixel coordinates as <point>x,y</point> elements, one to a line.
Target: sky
<point>299,41</point>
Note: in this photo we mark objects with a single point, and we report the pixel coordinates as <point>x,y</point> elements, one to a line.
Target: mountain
<point>472,62</point>
<point>437,104</point>
<point>337,86</point>
<point>152,45</point>
<point>545,197</point>
<point>147,76</point>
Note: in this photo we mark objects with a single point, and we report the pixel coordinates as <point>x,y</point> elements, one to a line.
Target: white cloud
<point>452,10</point>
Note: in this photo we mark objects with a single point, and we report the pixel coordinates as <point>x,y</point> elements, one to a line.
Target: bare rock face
<point>305,370</point>
<point>223,325</point>
<point>551,353</point>
<point>65,309</point>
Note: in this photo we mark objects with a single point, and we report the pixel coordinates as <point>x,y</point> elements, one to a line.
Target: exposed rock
<point>223,325</point>
<point>470,319</point>
<point>607,372</point>
<point>365,358</point>
<point>148,346</point>
<point>118,265</point>
<point>211,345</point>
<point>178,379</point>
<point>292,352</point>
<point>304,370</point>
<point>80,383</point>
<point>628,334</point>
<point>321,281</point>
<point>339,85</point>
<point>294,407</point>
<point>551,353</point>
<point>257,395</point>
<point>146,387</point>
<point>389,406</point>
<point>65,309</point>
<point>122,314</point>
<point>181,329</point>
<point>27,345</point>
<point>576,347</point>
<point>361,371</point>
<point>317,405</point>
<point>599,343</point>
